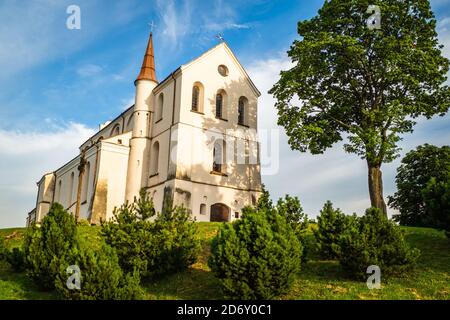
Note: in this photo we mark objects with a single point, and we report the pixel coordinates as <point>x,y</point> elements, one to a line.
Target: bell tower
<point>142,118</point>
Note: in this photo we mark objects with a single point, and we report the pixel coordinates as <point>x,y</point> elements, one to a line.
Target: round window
<point>223,70</point>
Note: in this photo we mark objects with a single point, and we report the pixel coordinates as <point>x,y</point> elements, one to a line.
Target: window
<point>219,105</point>
<point>116,130</point>
<point>218,156</point>
<point>159,107</point>
<point>253,200</point>
<point>72,181</point>
<point>195,97</point>
<point>223,70</point>
<point>203,209</point>
<point>154,159</point>
<point>242,110</point>
<point>236,215</point>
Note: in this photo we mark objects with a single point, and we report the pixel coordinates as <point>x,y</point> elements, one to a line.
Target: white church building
<point>189,140</point>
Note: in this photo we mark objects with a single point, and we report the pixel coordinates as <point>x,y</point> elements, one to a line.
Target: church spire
<point>148,65</point>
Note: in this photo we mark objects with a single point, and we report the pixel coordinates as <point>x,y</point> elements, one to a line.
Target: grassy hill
<point>317,280</point>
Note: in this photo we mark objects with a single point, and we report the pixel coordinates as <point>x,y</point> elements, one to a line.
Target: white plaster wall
<point>112,173</point>
<point>209,195</point>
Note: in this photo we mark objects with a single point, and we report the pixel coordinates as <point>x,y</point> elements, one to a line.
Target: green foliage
<point>47,247</point>
<point>366,83</point>
<point>101,277</point>
<point>374,240</point>
<point>163,246</point>
<point>436,196</point>
<point>83,222</point>
<point>256,257</point>
<point>176,240</point>
<point>413,176</point>
<point>16,259</point>
<point>364,86</point>
<point>3,249</point>
<point>264,200</point>
<point>331,224</point>
<point>291,209</point>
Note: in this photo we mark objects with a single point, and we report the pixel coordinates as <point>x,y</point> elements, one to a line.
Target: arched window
<point>115,131</point>
<point>72,181</point>
<point>197,97</point>
<point>221,103</point>
<point>154,159</point>
<point>219,156</point>
<point>159,107</point>
<point>242,110</point>
<point>87,170</point>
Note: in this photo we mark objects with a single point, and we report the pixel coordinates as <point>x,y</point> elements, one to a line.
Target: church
<point>190,139</point>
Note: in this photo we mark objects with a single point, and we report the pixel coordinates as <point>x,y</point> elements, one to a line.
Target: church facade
<point>188,140</point>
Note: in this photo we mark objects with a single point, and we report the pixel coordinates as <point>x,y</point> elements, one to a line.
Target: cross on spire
<point>152,26</point>
<point>220,37</point>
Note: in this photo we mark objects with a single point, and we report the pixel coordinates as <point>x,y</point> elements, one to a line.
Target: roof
<point>148,65</point>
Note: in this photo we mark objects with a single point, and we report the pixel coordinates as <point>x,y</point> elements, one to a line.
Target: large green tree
<point>363,84</point>
<point>415,189</point>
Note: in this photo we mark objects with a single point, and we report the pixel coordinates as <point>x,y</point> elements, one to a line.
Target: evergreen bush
<point>291,209</point>
<point>46,247</point>
<point>374,240</point>
<point>256,257</point>
<point>101,277</point>
<point>331,224</point>
<point>3,249</point>
<point>16,259</point>
<point>153,244</point>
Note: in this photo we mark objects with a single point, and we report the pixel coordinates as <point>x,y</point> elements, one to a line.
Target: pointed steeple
<point>148,65</point>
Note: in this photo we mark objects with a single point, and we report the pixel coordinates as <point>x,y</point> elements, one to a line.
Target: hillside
<point>317,280</point>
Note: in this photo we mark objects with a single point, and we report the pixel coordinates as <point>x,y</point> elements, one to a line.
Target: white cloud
<point>215,27</point>
<point>175,20</point>
<point>25,157</point>
<point>89,70</point>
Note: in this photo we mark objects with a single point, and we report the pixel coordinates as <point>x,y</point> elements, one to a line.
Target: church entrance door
<point>220,213</point>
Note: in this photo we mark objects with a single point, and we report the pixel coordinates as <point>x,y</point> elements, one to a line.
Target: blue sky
<point>57,85</point>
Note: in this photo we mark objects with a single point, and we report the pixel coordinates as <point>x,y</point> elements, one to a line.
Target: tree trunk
<point>376,188</point>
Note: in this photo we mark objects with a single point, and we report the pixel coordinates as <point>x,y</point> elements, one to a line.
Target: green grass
<point>317,280</point>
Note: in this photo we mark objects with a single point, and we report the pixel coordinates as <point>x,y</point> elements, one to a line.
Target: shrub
<point>46,247</point>
<point>176,240</point>
<point>291,209</point>
<point>83,222</point>
<point>16,259</point>
<point>3,249</point>
<point>331,223</point>
<point>374,240</point>
<point>101,277</point>
<point>163,246</point>
<point>256,257</point>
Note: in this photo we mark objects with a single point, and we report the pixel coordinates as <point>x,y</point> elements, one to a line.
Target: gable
<point>222,54</point>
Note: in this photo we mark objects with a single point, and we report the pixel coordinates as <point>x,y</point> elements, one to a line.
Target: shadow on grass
<point>434,247</point>
<point>17,286</point>
<point>193,284</point>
